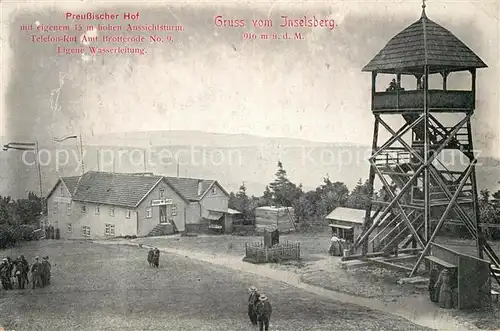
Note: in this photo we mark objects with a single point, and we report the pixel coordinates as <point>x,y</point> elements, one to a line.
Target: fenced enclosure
<point>257,252</point>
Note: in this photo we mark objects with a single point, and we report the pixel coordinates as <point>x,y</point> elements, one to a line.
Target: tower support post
<point>371,179</point>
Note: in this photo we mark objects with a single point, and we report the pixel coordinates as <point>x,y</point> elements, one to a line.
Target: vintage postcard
<point>271,165</point>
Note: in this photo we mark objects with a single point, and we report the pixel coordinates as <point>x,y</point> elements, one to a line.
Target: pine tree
<point>284,192</point>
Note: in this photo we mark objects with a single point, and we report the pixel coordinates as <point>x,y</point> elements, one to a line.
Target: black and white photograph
<point>262,165</point>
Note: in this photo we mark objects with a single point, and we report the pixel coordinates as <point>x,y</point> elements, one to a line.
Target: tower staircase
<point>396,164</point>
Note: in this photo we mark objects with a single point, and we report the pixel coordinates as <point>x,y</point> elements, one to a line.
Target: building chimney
<point>200,187</point>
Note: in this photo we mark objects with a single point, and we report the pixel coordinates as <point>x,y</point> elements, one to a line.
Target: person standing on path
<point>36,270</point>
<point>264,311</point>
<point>19,271</point>
<point>5,275</point>
<point>150,257</point>
<point>26,269</point>
<point>253,299</point>
<point>46,269</point>
<point>156,258</point>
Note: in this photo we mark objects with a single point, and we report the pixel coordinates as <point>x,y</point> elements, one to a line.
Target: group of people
<point>17,270</point>
<point>259,309</point>
<point>154,257</point>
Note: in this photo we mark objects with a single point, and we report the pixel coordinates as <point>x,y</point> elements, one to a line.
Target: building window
<point>84,208</point>
<point>127,213</point>
<point>61,191</point>
<point>109,230</point>
<point>214,189</point>
<point>55,207</point>
<point>70,228</point>
<point>112,211</point>
<point>68,209</point>
<point>97,209</point>
<point>149,212</point>
<point>174,210</point>
<point>162,193</point>
<point>86,231</point>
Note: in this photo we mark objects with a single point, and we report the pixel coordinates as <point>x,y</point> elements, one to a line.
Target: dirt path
<point>416,310</point>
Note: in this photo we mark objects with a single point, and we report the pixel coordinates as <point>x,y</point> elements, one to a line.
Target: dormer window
<point>162,193</point>
<point>214,189</point>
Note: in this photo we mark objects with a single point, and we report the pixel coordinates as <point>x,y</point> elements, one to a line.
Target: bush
<point>9,236</point>
<point>26,233</point>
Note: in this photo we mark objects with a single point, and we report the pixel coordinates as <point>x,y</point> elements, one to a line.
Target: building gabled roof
<point>129,189</point>
<point>69,182</point>
<point>424,43</point>
<point>188,187</point>
<point>117,189</point>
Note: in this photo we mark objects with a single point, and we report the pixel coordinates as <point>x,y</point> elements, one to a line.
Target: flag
<point>61,139</point>
<point>20,146</point>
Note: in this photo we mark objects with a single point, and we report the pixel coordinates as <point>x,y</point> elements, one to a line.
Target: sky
<point>209,79</point>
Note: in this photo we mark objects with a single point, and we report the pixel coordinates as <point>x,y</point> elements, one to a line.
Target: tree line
<point>18,219</point>
<point>311,207</point>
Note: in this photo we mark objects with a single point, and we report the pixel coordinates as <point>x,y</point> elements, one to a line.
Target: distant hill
<point>197,138</point>
<point>230,159</point>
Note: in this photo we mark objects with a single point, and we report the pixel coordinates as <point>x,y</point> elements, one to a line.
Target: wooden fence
<point>258,253</point>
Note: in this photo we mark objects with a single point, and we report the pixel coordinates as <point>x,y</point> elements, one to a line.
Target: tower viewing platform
<point>423,44</point>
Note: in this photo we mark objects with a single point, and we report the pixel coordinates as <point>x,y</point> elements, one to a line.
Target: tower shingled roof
<point>424,42</point>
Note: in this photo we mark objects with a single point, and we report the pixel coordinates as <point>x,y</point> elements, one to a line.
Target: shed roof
<point>348,215</point>
<point>233,211</point>
<point>274,208</point>
<point>424,43</point>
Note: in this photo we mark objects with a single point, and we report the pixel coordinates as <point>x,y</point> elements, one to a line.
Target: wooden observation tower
<point>420,191</point>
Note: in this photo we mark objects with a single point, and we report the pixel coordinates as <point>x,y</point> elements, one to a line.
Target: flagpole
<point>81,154</point>
<point>30,147</point>
<point>39,170</point>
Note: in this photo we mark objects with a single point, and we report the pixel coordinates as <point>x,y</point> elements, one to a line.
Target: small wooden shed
<point>233,217</point>
<point>347,223</point>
